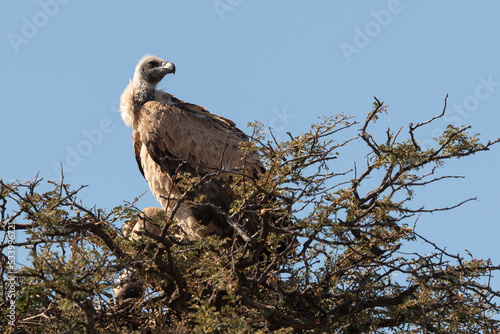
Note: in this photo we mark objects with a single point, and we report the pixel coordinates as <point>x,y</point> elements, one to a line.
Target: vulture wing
<point>183,137</point>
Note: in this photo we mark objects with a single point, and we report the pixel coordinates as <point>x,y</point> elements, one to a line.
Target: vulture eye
<point>153,63</point>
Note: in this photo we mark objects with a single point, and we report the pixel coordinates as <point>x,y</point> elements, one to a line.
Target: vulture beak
<point>169,67</point>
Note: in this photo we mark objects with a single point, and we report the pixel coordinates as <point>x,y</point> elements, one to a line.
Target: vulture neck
<point>143,92</point>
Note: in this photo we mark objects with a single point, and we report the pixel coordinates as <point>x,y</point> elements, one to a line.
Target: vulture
<point>171,137</point>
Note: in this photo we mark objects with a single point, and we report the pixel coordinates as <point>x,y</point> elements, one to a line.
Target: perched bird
<point>171,137</point>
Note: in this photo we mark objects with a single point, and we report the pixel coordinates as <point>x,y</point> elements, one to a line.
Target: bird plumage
<point>171,136</point>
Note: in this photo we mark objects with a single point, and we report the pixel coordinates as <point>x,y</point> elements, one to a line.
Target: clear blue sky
<point>64,64</point>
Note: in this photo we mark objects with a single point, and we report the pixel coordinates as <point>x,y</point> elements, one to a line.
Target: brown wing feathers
<point>187,138</point>
<point>136,140</point>
<point>172,136</point>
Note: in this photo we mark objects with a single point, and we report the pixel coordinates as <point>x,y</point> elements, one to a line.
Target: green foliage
<point>308,249</point>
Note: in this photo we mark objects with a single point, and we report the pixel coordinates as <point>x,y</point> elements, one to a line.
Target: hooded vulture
<point>171,137</point>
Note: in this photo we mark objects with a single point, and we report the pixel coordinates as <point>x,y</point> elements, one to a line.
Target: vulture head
<point>150,70</point>
<point>148,73</point>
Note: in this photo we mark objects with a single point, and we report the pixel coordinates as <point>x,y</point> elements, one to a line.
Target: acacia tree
<point>306,248</point>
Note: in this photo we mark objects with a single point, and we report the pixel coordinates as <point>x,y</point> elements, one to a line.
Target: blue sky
<point>64,64</point>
